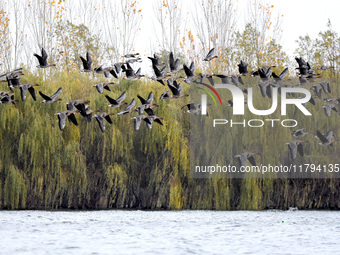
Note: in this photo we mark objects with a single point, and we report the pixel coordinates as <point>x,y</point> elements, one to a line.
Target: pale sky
<point>306,17</point>
<point>301,17</point>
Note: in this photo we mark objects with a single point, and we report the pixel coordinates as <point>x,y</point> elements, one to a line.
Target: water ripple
<point>161,232</point>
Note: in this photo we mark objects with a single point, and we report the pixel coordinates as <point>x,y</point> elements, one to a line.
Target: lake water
<point>161,232</point>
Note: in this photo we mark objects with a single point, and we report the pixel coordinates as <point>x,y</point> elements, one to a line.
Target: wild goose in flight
<point>300,132</point>
<point>138,119</point>
<point>243,157</point>
<point>303,66</point>
<point>12,78</point>
<point>78,104</point>
<point>324,68</point>
<point>82,106</point>
<point>13,82</point>
<point>155,60</point>
<point>265,88</point>
<point>311,100</point>
<point>103,85</point>
<point>230,79</point>
<point>317,89</point>
<point>236,80</point>
<point>131,55</point>
<point>146,103</point>
<point>133,60</point>
<point>100,119</point>
<point>210,56</point>
<point>225,79</point>
<point>325,86</point>
<point>114,73</point>
<point>311,77</point>
<point>50,99</point>
<point>294,147</point>
<point>193,108</point>
<point>27,87</point>
<point>62,118</point>
<point>265,72</point>
<point>209,77</point>
<point>160,74</point>
<point>87,113</point>
<point>87,63</point>
<point>280,77</point>
<point>131,75</point>
<point>128,109</point>
<point>43,59</point>
<point>325,139</point>
<point>331,100</point>
<point>115,103</point>
<point>152,115</point>
<point>5,93</point>
<point>118,67</point>
<point>243,68</point>
<point>174,64</point>
<point>328,108</point>
<point>176,89</point>
<point>8,99</point>
<point>190,73</point>
<point>103,70</point>
<point>13,73</point>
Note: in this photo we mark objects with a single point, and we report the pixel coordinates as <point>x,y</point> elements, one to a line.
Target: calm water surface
<point>181,232</point>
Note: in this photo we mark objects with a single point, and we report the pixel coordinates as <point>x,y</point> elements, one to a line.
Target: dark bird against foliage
<point>115,103</point>
<point>128,109</point>
<point>300,133</point>
<point>8,99</point>
<point>100,119</point>
<point>138,119</point>
<point>174,64</point>
<point>280,77</point>
<point>87,63</point>
<point>193,108</point>
<point>294,147</point>
<point>243,157</point>
<point>210,56</point>
<point>51,99</point>
<point>325,139</point>
<point>328,108</point>
<point>103,85</point>
<point>27,87</point>
<point>243,68</point>
<point>176,90</point>
<point>43,59</point>
<point>62,118</point>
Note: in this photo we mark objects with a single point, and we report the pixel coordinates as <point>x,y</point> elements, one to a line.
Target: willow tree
<point>41,18</point>
<point>215,22</point>
<point>269,31</point>
<point>75,40</point>
<point>5,45</point>
<point>328,48</point>
<point>18,36</point>
<point>121,25</point>
<point>306,48</point>
<point>322,51</point>
<point>169,18</point>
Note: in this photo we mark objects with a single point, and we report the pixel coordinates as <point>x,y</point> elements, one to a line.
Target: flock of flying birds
<point>171,75</point>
